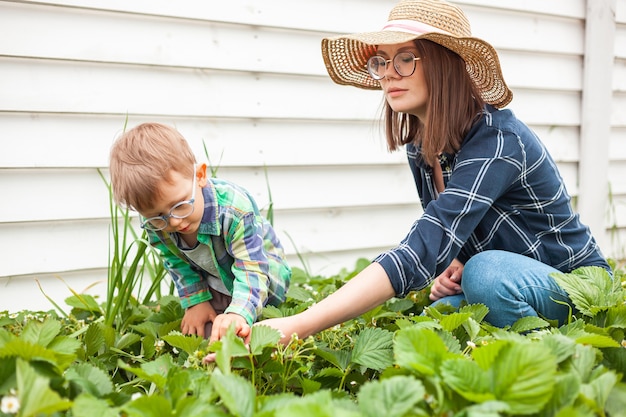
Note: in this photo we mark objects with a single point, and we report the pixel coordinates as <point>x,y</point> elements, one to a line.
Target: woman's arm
<point>370,288</point>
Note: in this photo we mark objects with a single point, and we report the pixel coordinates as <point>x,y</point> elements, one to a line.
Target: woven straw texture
<point>346,56</point>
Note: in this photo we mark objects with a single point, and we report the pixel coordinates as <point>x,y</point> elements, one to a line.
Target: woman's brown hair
<point>454,103</point>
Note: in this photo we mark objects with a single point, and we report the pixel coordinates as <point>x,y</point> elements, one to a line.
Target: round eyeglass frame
<point>377,61</point>
<point>148,223</point>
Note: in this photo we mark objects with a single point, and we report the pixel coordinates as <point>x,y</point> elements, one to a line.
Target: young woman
<point>497,218</point>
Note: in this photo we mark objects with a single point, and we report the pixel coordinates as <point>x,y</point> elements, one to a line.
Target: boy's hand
<point>449,282</point>
<point>195,318</point>
<point>223,321</point>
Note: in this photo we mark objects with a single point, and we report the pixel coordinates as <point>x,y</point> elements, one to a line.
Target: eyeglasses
<point>178,211</point>
<point>403,63</point>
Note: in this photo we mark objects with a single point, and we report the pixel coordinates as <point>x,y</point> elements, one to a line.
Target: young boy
<point>223,256</point>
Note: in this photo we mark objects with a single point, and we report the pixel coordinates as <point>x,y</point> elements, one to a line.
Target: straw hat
<point>346,56</point>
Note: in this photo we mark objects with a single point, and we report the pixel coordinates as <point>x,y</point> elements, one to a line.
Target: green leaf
<point>453,320</point>
<point>616,403</point>
<point>393,397</point>
<point>237,393</point>
<point>524,376</point>
<point>41,333</point>
<point>566,389</point>
<point>339,358</point>
<point>186,343</point>
<point>591,289</point>
<point>468,379</point>
<point>485,355</point>
<point>616,317</point>
<point>90,379</point>
<point>35,395</point>
<point>155,371</point>
<point>420,350</point>
<point>85,405</point>
<point>599,388</point>
<point>261,337</point>
<point>373,348</point>
<point>148,406</point>
<point>562,347</point>
<point>83,302</point>
<point>529,323</point>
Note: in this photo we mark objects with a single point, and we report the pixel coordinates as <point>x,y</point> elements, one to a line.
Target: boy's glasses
<point>178,211</point>
<point>404,64</point>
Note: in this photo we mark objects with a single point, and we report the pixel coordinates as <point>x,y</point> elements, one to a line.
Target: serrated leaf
<point>421,350</point>
<point>599,388</point>
<point>186,343</point>
<point>155,371</point>
<point>566,389</point>
<point>468,380</point>
<point>237,393</point>
<point>528,323</point>
<point>90,379</point>
<point>478,311</point>
<point>454,320</point>
<point>340,358</point>
<point>373,348</point>
<point>83,302</point>
<point>562,347</point>
<point>616,317</point>
<point>26,350</point>
<point>524,376</point>
<point>485,355</point>
<point>392,397</point>
<point>148,406</point>
<point>35,395</point>
<point>41,333</point>
<point>591,289</point>
<point>261,337</point>
<point>86,405</point>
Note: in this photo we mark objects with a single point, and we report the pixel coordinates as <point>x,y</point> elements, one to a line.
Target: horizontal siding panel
<point>150,40</point>
<point>40,86</point>
<point>564,8</point>
<point>84,244</point>
<point>328,15</point>
<point>618,115</point>
<point>57,286</point>
<point>617,145</point>
<point>82,194</point>
<point>155,40</point>
<point>86,140</point>
<point>185,92</point>
<point>230,142</point>
<point>550,34</point>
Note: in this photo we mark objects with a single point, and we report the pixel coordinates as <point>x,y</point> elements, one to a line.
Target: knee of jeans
<point>480,274</point>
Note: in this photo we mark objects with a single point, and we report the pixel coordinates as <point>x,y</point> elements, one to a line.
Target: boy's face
<point>173,192</point>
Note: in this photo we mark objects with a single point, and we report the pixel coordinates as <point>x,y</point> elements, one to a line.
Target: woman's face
<point>404,94</point>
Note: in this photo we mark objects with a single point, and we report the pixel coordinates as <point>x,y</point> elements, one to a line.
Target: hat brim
<point>346,58</point>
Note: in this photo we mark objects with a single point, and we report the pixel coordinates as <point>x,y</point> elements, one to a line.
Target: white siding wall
<point>246,79</point>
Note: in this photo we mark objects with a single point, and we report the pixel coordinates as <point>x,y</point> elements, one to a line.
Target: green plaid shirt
<point>244,247</point>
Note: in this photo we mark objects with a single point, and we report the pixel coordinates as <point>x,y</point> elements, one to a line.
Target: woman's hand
<point>448,283</point>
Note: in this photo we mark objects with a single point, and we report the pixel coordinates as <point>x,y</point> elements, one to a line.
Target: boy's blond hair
<point>143,157</point>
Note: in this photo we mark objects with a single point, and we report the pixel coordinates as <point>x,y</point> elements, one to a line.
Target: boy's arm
<point>245,243</point>
<point>192,289</point>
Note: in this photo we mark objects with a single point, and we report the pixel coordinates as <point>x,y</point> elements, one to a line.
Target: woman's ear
<point>201,174</point>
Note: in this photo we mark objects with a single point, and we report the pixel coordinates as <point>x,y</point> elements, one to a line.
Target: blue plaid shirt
<point>503,191</point>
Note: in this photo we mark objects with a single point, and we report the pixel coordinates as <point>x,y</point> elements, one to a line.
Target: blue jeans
<point>512,286</point>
